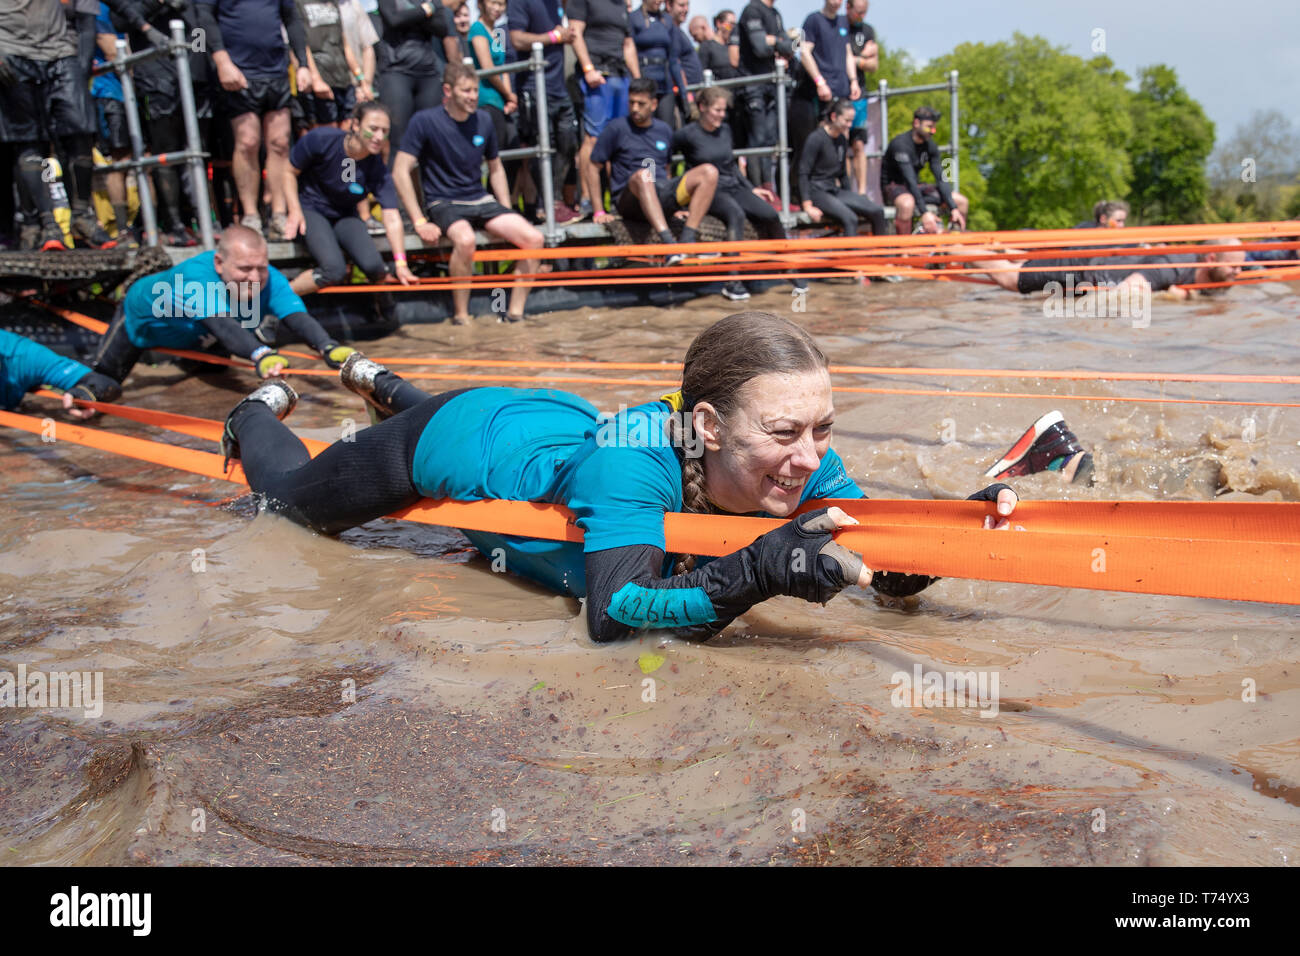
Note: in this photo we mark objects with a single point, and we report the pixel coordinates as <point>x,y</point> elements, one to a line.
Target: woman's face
<point>713,115</point>
<point>373,131</point>
<point>491,10</point>
<point>762,456</point>
<point>461,19</point>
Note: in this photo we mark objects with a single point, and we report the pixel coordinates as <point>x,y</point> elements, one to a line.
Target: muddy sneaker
<point>275,229</point>
<point>375,227</point>
<point>276,395</point>
<point>358,375</point>
<point>1048,445</point>
<point>86,230</point>
<point>51,238</point>
<point>735,291</point>
<point>252,221</point>
<point>179,236</point>
<point>29,237</point>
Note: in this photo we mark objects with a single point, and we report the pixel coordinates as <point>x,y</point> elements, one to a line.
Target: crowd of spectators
<point>339,121</point>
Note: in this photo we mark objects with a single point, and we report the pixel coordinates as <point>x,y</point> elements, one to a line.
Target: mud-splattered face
<point>762,455</point>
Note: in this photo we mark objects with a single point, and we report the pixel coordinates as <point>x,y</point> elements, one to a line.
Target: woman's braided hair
<point>721,360</point>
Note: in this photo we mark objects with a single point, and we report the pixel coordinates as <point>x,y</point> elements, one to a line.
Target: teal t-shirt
<point>488,95</point>
<point>167,309</point>
<point>25,364</point>
<point>617,473</point>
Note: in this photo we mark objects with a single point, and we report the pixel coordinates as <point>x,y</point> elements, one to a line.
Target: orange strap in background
<point>1227,550</point>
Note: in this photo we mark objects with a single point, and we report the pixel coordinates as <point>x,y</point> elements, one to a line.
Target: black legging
<point>167,134</point>
<point>349,483</point>
<point>804,112</point>
<point>328,241</point>
<point>846,206</point>
<point>403,95</point>
<point>738,203</point>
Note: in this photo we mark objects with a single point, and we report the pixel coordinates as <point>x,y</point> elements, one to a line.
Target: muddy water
<point>275,697</point>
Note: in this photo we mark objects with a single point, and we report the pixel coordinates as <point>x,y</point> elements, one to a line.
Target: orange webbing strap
<point>1229,550</point>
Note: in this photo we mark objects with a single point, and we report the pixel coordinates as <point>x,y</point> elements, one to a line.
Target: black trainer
<point>1047,445</point>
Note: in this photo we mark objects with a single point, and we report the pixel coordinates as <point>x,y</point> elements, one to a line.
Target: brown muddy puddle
<point>270,696</point>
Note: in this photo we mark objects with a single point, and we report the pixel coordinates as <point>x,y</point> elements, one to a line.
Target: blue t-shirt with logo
<point>617,473</point>
<point>627,147</point>
<point>829,39</point>
<point>331,181</point>
<point>25,364</point>
<point>541,16</point>
<point>167,309</point>
<point>450,154</point>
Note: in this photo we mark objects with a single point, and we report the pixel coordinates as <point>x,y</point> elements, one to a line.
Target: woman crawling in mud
<point>749,433</point>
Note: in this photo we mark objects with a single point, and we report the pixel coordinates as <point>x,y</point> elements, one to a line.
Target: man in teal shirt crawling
<point>25,365</point>
<point>221,297</point>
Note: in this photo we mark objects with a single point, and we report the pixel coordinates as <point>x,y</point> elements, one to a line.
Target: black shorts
<point>113,134</point>
<point>929,192</point>
<point>50,100</point>
<point>445,212</point>
<point>629,207</point>
<point>321,111</point>
<point>858,135</point>
<point>264,94</point>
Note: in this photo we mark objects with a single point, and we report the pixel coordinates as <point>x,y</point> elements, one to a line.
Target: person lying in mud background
<point>749,433</point>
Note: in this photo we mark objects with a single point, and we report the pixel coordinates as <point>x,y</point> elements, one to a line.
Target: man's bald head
<point>236,234</point>
<point>699,28</point>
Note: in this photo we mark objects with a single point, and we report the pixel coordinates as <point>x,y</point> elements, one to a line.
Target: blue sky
<point>1233,58</point>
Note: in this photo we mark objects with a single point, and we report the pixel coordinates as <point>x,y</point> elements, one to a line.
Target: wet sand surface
<point>279,697</point>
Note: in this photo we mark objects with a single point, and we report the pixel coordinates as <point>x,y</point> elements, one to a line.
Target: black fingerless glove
<point>94,387</point>
<point>798,559</point>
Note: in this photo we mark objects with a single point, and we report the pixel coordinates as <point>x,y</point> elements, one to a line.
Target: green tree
<point>1045,130</point>
<point>1250,173</point>
<point>1172,138</point>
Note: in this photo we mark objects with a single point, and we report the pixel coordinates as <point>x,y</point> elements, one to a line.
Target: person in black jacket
<point>905,156</point>
<point>409,58</point>
<point>762,40</point>
<point>822,172</point>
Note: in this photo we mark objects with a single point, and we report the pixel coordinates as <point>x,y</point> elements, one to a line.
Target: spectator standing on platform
<point>865,60</point>
<point>448,145</point>
<point>907,154</point>
<point>253,69</point>
<point>496,94</point>
<point>114,140</point>
<point>333,66</point>
<point>828,74</point>
<point>544,22</point>
<point>360,37</point>
<point>653,32</point>
<point>461,20</point>
<point>823,169</point>
<point>408,63</point>
<point>762,39</point>
<point>607,61</point>
<point>636,147</point>
<point>690,72</point>
<point>714,54</point>
<point>158,99</point>
<point>44,98</point>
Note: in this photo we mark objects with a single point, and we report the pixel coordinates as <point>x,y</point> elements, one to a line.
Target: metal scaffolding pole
<point>538,65</point>
<point>783,152</point>
<point>952,119</point>
<point>198,160</point>
<point>147,217</point>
